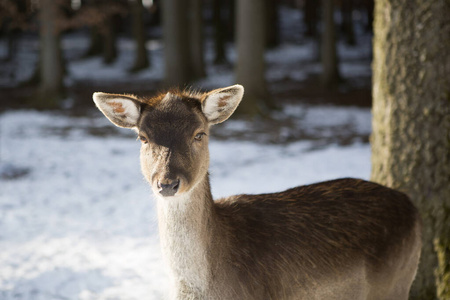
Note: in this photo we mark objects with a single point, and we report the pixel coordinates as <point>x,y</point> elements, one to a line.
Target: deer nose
<point>168,188</point>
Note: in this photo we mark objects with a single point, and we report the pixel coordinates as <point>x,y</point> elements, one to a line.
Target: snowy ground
<point>77,220</point>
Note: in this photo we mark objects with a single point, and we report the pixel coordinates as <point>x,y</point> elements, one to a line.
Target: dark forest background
<point>198,38</point>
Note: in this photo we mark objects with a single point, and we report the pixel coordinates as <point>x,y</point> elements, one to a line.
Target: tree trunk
<point>196,41</point>
<point>177,50</point>
<point>310,18</point>
<point>330,73</point>
<point>12,36</point>
<point>347,22</point>
<point>231,19</point>
<point>369,4</point>
<point>141,60</point>
<point>250,67</point>
<point>109,40</point>
<point>51,61</point>
<point>272,21</point>
<point>411,124</point>
<point>219,33</point>
<point>95,42</point>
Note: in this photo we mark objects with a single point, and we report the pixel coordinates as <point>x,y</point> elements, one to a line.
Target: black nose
<point>169,188</point>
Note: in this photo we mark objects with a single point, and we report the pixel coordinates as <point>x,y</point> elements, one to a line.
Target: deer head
<point>174,129</point>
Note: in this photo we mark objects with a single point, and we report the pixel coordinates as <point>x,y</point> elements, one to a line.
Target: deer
<point>340,239</point>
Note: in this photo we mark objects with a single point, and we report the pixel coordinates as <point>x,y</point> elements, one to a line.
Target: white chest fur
<point>185,238</point>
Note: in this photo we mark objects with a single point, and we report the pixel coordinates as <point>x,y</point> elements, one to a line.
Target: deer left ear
<point>220,104</point>
<point>121,110</point>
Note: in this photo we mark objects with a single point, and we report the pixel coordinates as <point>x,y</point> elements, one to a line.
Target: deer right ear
<point>121,110</point>
<point>220,104</point>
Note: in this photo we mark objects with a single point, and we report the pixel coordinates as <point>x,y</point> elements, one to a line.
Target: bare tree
<point>51,60</point>
<point>141,60</point>
<point>272,26</point>
<point>219,32</point>
<point>102,17</point>
<point>196,35</point>
<point>13,20</point>
<point>347,27</point>
<point>411,123</point>
<point>310,12</point>
<point>95,42</point>
<point>250,66</point>
<point>182,41</point>
<point>330,73</point>
<point>109,39</point>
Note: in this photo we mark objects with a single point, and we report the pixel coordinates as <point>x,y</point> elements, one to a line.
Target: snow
<point>81,223</point>
<point>117,71</point>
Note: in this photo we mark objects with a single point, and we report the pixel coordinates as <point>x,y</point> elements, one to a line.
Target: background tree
<point>347,27</point>
<point>13,20</point>
<point>250,65</point>
<point>330,72</point>
<point>231,19</point>
<point>141,59</point>
<point>95,38</point>
<point>178,40</point>
<point>95,42</point>
<point>103,18</point>
<point>108,31</point>
<point>196,38</point>
<point>310,19</point>
<point>411,123</point>
<point>272,23</point>
<point>51,68</point>
<point>219,32</point>
<point>369,9</point>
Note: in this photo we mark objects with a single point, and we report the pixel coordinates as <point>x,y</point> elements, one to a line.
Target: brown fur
<point>320,229</point>
<point>341,239</point>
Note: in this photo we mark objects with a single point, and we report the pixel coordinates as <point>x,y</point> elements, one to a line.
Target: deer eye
<point>143,139</point>
<point>199,136</point>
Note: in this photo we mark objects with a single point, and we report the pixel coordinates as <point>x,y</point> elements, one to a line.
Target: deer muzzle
<point>168,188</point>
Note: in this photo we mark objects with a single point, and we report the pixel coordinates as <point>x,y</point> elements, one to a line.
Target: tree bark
<point>330,72</point>
<point>347,22</point>
<point>272,24</point>
<point>310,17</point>
<point>231,19</point>
<point>95,42</point>
<point>411,124</point>
<point>250,67</point>
<point>177,50</point>
<point>51,60</point>
<point>369,4</point>
<point>196,41</point>
<point>141,60</point>
<point>219,32</point>
<point>109,40</point>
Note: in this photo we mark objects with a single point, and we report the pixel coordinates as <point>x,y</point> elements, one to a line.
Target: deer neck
<point>187,225</point>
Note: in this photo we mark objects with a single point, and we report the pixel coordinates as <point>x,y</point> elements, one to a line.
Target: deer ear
<point>220,104</point>
<point>121,110</point>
